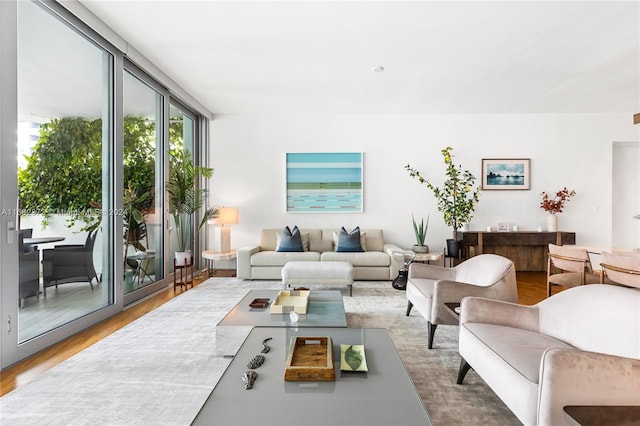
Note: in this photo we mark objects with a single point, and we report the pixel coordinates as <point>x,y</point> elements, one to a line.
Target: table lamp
<point>226,216</point>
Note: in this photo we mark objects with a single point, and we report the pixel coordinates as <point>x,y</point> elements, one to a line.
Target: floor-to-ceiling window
<point>63,172</point>
<point>143,229</point>
<point>84,156</point>
<point>182,139</point>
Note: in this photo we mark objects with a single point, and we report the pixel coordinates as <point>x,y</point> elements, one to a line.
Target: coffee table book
<point>310,359</point>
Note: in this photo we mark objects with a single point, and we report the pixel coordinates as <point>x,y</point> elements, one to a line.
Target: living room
<point>493,80</point>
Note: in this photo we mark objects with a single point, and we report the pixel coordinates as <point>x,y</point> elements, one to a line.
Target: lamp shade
<point>226,216</point>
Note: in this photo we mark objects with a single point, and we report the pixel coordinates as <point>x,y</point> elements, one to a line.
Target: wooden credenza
<point>527,249</point>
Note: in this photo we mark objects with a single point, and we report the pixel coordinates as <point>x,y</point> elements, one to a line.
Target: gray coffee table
<point>385,395</point>
<point>326,309</point>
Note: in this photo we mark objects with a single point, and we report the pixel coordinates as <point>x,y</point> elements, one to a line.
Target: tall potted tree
<point>185,199</point>
<point>456,198</point>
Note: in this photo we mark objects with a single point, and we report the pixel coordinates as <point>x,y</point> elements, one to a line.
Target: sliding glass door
<point>143,229</point>
<point>86,141</point>
<point>182,138</point>
<point>64,143</point>
<point>58,227</point>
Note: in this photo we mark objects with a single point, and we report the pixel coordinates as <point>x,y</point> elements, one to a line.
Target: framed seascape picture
<point>506,173</point>
<point>324,182</point>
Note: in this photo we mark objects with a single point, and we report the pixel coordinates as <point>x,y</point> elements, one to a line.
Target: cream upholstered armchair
<point>572,267</point>
<point>620,269</point>
<point>578,347</point>
<point>429,287</point>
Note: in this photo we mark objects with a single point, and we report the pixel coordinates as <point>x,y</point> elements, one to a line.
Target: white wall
<point>626,193</point>
<point>248,154</point>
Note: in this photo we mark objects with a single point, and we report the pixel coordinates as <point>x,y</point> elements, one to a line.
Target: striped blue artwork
<point>324,182</point>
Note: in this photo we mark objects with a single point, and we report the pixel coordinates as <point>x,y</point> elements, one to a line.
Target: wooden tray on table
<point>310,359</point>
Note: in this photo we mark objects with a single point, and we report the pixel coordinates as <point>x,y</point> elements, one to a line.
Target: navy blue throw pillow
<point>290,240</point>
<point>349,241</point>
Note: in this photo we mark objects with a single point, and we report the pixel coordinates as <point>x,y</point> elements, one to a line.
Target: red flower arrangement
<point>556,204</point>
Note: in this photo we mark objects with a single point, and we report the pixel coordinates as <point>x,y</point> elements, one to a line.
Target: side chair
<point>574,267</point>
<point>69,264</point>
<point>620,269</point>
<point>28,269</point>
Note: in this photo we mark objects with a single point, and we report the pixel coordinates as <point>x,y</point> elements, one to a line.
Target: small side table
<point>611,415</point>
<point>453,309</point>
<point>452,258</point>
<point>140,261</point>
<point>428,257</point>
<point>183,270</point>
<point>212,256</point>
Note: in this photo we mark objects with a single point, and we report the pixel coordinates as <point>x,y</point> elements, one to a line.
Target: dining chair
<point>569,266</point>
<point>27,233</point>
<point>28,269</point>
<point>69,263</point>
<point>620,269</point>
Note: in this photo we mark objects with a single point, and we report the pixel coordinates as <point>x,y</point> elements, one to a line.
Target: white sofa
<point>262,262</point>
<point>578,347</point>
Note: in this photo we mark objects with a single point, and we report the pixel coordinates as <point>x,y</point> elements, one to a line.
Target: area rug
<point>160,369</point>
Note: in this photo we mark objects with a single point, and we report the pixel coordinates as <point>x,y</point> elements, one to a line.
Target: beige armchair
<point>569,266</point>
<point>429,287</point>
<point>620,269</point>
<point>578,347</point>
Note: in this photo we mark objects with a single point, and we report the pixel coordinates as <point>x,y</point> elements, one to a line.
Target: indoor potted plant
<point>456,198</point>
<point>420,230</point>
<point>185,198</point>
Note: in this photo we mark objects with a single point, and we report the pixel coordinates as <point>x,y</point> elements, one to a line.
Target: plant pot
<point>453,247</point>
<point>552,223</point>
<point>420,249</point>
<point>182,258</point>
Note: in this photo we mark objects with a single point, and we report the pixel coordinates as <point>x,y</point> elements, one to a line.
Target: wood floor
<point>531,290</point>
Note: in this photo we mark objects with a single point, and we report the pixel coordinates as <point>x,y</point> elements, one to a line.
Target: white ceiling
<point>241,57</point>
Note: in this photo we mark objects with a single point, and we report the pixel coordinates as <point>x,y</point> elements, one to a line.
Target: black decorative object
<point>256,361</point>
<point>400,282</point>
<point>248,378</point>
<point>265,347</point>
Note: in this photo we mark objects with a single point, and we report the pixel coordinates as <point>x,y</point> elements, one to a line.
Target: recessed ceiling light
<point>377,68</point>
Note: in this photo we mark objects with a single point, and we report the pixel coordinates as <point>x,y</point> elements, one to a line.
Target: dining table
<point>595,253</point>
<point>42,240</point>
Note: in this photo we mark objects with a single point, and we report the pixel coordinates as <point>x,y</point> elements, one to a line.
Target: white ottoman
<point>313,273</point>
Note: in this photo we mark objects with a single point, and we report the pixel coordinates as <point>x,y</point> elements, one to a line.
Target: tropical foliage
<point>185,196</point>
<point>63,174</point>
